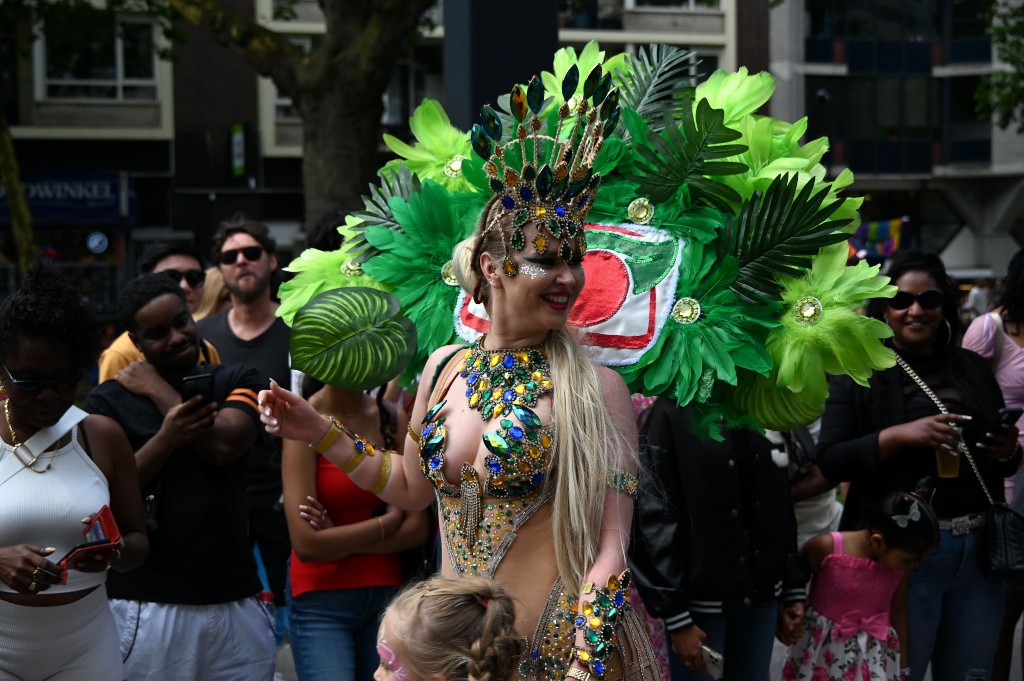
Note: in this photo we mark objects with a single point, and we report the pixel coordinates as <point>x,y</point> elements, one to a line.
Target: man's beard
<point>249,295</point>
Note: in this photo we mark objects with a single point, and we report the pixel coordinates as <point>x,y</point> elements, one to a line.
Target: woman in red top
<point>345,543</point>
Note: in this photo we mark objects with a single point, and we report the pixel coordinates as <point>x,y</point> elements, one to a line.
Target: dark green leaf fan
<point>402,183</point>
<point>352,338</point>
<point>658,84</point>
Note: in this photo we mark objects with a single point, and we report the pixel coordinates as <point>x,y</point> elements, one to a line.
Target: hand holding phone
<point>200,384</point>
<point>101,536</point>
<point>714,663</point>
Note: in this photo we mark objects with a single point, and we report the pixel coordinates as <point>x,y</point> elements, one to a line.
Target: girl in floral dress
<point>856,619</point>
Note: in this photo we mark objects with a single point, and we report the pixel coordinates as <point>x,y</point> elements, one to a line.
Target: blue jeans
<point>954,611</point>
<point>744,640</point>
<point>334,633</point>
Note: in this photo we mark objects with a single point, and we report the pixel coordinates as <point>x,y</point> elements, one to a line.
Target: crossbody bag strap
<point>962,446</point>
<point>44,439</point>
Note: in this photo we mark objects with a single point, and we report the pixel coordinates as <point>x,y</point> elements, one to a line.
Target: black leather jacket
<point>713,529</point>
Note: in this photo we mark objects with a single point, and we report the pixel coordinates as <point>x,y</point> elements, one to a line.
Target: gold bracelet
<point>580,674</point>
<point>413,434</point>
<point>381,521</point>
<point>385,472</point>
<point>334,431</point>
<point>353,462</point>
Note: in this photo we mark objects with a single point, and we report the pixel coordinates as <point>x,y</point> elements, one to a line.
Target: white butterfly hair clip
<point>914,514</point>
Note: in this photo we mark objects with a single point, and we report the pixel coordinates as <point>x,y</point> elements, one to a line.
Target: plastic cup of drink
<point>947,462</point>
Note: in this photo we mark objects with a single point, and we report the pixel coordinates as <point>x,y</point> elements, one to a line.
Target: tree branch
<point>268,52</point>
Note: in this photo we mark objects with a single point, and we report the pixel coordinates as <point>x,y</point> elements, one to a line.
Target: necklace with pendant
<point>17,445</point>
<point>497,380</point>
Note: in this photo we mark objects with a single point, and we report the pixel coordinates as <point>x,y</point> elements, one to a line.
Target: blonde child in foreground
<point>856,619</point>
<point>449,629</point>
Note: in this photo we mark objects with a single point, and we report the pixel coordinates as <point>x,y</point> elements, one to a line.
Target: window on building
<point>673,4</point>
<point>113,64</point>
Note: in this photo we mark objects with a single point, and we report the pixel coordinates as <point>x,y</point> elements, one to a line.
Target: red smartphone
<point>101,535</point>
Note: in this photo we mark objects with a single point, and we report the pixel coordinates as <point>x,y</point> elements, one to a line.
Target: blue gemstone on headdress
<point>570,82</point>
<point>535,95</point>
<point>560,210</point>
<point>428,431</point>
<point>590,84</point>
<point>435,462</point>
<point>535,654</point>
<point>537,479</point>
<point>620,598</point>
<point>598,667</point>
<point>508,202</point>
<point>473,378</point>
<point>583,200</point>
<point>516,432</point>
<point>493,464</point>
<point>481,145</point>
<point>508,361</point>
<point>508,396</point>
<point>491,123</point>
<point>526,193</point>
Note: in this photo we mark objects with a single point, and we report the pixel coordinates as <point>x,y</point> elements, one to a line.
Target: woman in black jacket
<point>887,437</point>
<point>714,544</point>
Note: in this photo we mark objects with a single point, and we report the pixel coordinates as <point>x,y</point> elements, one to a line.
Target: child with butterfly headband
<point>856,615</point>
<point>449,629</point>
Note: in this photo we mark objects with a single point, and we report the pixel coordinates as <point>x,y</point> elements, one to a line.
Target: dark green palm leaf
<point>353,338</point>
<point>677,158</point>
<point>376,211</point>
<point>777,233</point>
<point>660,80</point>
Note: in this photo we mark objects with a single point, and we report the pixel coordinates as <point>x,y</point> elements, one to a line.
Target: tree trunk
<point>10,180</point>
<point>341,129</point>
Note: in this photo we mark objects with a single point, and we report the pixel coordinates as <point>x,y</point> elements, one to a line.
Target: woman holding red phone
<point>58,468</point>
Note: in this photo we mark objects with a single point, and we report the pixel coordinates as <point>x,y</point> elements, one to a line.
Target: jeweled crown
<point>542,175</point>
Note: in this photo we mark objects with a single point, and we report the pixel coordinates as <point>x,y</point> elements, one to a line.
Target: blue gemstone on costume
<point>516,432</point>
<point>535,654</point>
<point>508,396</point>
<point>508,361</point>
<point>469,392</point>
<point>580,621</point>
<point>473,378</point>
<point>620,598</point>
<point>598,667</point>
<point>537,479</point>
<point>526,193</point>
<point>429,430</point>
<point>560,210</point>
<point>360,445</point>
<point>493,465</point>
<point>508,202</point>
<point>583,200</point>
<point>435,462</point>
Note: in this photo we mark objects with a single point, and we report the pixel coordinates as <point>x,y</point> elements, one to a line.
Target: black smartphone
<point>200,384</point>
<point>1008,416</point>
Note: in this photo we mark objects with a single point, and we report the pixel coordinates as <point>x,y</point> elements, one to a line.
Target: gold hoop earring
<point>949,333</point>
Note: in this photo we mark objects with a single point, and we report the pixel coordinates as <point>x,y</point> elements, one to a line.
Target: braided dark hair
<point>46,306</point>
<point>458,629</point>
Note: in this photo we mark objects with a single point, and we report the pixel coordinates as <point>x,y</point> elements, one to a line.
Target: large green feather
<point>352,338</point>
<point>399,182</point>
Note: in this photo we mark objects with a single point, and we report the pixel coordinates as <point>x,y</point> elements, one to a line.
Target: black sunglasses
<point>34,387</point>
<point>195,278</point>
<point>250,253</point>
<point>929,300</point>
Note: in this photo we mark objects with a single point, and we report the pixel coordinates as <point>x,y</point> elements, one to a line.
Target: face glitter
<point>532,271</point>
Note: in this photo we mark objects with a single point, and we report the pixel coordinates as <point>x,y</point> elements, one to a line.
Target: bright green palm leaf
<point>660,78</point>
<point>353,338</point>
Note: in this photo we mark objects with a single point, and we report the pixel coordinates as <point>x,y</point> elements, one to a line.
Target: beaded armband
<point>330,437</point>
<point>362,446</point>
<point>622,481</point>
<point>599,618</point>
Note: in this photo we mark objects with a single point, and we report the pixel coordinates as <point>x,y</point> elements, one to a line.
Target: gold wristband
<point>353,462</point>
<point>580,674</point>
<point>413,434</point>
<point>385,472</point>
<point>381,521</point>
<point>329,438</point>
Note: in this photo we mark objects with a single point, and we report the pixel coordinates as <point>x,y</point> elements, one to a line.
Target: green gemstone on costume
<point>593,638</point>
<point>603,85</point>
<point>433,411</point>
<point>570,82</point>
<point>495,443</point>
<point>590,84</point>
<point>521,218</point>
<point>481,144</point>
<point>518,239</point>
<point>545,180</point>
<point>528,417</point>
<point>535,95</point>
<point>604,599</point>
<point>517,101</point>
<point>505,423</point>
<point>613,120</point>
<point>529,173</point>
<point>491,123</point>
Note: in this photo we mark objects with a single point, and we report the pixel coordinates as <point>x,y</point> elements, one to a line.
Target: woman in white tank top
<point>55,623</point>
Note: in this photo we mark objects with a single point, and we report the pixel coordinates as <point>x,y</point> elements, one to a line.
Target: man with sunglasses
<point>179,261</point>
<point>249,332</point>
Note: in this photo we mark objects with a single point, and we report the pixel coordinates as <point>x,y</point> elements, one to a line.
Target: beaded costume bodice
<point>502,385</point>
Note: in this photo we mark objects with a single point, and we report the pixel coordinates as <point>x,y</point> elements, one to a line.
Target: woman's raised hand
<point>287,415</point>
<point>941,430</point>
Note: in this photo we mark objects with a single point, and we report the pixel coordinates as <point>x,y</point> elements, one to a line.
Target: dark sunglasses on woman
<point>250,253</point>
<point>195,278</point>
<point>929,299</point>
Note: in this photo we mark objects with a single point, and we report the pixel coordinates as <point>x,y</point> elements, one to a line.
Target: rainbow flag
<point>878,238</point>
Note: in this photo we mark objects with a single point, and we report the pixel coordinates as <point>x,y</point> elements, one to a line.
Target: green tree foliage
<point>1002,93</point>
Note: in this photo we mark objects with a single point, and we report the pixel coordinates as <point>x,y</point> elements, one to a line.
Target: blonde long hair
<point>587,444</point>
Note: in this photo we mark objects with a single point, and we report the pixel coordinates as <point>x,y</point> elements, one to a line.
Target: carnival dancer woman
<point>58,467</point>
<point>905,427</point>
